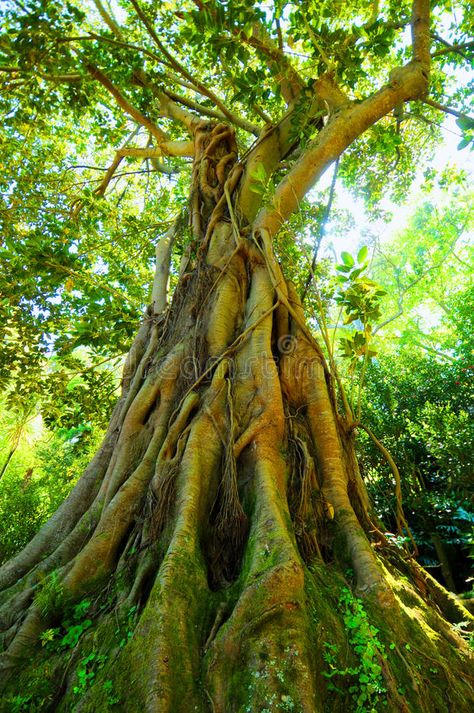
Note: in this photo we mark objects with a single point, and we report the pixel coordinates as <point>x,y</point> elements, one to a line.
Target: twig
<point>447,109</point>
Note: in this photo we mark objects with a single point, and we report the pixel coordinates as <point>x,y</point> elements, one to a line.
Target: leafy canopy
<point>83,79</point>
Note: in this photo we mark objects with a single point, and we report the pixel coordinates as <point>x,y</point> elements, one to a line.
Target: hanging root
<point>228,520</point>
<point>162,500</point>
<point>400,515</point>
<point>304,494</point>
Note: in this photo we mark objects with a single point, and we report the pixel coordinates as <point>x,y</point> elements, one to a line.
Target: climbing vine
<point>364,681</point>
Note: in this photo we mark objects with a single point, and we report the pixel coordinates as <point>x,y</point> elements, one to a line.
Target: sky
<point>446,153</point>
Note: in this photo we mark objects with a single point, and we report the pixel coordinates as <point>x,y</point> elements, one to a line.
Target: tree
<point>416,391</point>
<point>220,551</point>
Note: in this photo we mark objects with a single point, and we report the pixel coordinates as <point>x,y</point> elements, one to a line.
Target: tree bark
<point>223,523</point>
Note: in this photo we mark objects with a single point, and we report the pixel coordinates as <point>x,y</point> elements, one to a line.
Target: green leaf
<point>259,173</point>
<point>362,254</point>
<point>343,268</point>
<point>463,143</point>
<point>347,259</point>
<point>465,123</point>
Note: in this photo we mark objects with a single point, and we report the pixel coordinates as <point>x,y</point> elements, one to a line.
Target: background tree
<point>415,389</point>
<point>223,521</point>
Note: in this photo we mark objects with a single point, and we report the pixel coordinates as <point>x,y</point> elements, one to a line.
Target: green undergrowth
<point>366,659</point>
<point>364,680</point>
<point>71,656</point>
<point>371,659</point>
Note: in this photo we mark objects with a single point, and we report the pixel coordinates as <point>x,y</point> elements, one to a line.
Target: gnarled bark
<point>220,517</point>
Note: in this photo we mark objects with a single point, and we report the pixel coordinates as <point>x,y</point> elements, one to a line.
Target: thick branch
<point>108,19</point>
<point>164,247</point>
<point>168,108</point>
<point>199,108</point>
<point>277,141</point>
<point>347,124</point>
<point>420,29</point>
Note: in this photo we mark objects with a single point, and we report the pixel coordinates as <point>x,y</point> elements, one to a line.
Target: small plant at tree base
<point>112,698</point>
<point>87,670</point>
<point>125,631</point>
<point>20,703</point>
<point>367,686</point>
<point>463,628</point>
<point>50,595</point>
<point>74,628</point>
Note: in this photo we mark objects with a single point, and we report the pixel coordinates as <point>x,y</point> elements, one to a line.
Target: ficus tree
<point>220,551</point>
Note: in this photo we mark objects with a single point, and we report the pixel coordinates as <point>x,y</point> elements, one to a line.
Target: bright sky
<point>446,154</point>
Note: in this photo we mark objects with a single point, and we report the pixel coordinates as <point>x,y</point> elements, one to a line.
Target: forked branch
<point>180,69</point>
<point>175,148</point>
<point>349,122</point>
<point>124,104</point>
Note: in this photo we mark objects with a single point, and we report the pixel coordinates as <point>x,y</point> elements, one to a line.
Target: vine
<point>366,687</point>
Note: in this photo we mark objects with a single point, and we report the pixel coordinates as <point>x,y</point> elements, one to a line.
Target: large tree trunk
<point>222,531</point>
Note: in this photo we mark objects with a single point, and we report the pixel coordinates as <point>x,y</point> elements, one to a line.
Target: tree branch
<point>286,75</point>
<point>277,141</point>
<point>199,108</point>
<point>420,32</point>
<point>108,19</point>
<point>124,104</point>
<point>167,107</point>
<point>119,43</point>
<point>349,122</point>
<point>186,148</point>
<point>178,67</point>
<point>447,109</point>
<point>342,129</point>
<point>457,49</point>
<point>59,78</point>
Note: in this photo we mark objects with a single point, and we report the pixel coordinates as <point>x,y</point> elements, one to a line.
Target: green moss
<point>34,687</point>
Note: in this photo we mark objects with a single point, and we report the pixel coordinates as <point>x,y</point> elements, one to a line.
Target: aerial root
<point>304,495</point>
<point>229,521</point>
<point>400,515</point>
<point>162,496</point>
